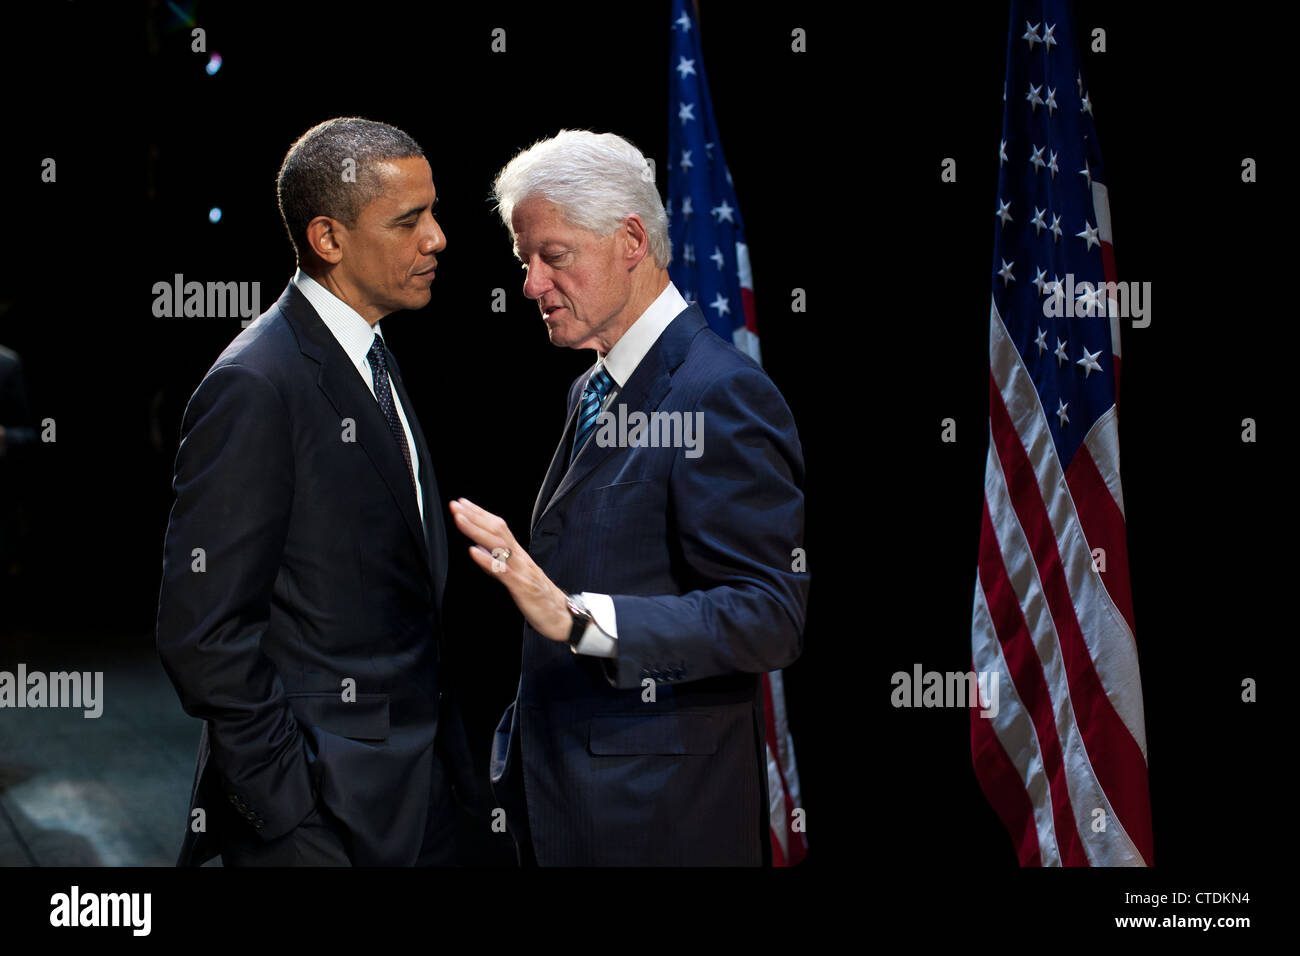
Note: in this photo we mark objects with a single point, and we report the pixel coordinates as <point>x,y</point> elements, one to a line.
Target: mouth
<point>548,311</point>
<point>429,271</point>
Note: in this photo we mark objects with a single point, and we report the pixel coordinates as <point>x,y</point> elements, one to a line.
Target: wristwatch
<point>581,618</point>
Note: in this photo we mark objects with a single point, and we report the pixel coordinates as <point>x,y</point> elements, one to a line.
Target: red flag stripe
<point>1002,789</point>
<point>1102,442</point>
<point>1114,847</point>
<point>747,303</point>
<point>1116,758</point>
<point>1030,686</point>
<point>1007,781</point>
<point>1103,527</point>
<point>1108,638</point>
<point>780,748</point>
<point>788,847</point>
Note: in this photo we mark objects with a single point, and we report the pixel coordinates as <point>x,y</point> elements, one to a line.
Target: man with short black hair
<point>306,556</point>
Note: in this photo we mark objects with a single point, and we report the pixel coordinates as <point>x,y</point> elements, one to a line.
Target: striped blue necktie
<point>593,397</point>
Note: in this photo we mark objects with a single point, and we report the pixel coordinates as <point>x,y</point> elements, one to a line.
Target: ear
<point>323,236</point>
<point>635,241</point>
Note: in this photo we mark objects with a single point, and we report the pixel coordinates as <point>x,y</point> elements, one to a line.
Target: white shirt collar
<point>621,361</point>
<point>354,333</point>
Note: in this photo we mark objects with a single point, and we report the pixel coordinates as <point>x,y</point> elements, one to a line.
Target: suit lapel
<point>645,389</point>
<point>343,387</point>
<point>560,460</point>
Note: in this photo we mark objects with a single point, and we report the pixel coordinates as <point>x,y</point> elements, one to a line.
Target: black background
<point>836,158</point>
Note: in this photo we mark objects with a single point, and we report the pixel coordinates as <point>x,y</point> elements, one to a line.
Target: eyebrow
<point>413,211</point>
<point>545,244</point>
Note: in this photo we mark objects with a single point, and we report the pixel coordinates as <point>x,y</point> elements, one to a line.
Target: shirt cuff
<point>602,640</point>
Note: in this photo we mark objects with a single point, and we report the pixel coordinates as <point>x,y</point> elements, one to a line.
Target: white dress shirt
<point>356,336</point>
<point>599,639</point>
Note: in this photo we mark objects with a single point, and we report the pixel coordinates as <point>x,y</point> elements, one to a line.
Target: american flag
<point>1064,761</point>
<point>711,261</point>
<point>711,266</point>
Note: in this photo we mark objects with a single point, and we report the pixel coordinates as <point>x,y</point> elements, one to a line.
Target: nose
<point>537,282</point>
<point>435,241</point>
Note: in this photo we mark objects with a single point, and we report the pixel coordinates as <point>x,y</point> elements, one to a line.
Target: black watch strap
<point>575,633</point>
<point>581,618</point>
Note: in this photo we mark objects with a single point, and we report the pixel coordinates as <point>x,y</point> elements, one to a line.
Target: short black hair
<point>330,171</point>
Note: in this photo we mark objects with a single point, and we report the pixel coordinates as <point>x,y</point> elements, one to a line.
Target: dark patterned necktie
<point>384,395</point>
<point>593,397</point>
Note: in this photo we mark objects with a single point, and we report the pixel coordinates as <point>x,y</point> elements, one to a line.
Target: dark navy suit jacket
<point>316,568</point>
<point>696,553</point>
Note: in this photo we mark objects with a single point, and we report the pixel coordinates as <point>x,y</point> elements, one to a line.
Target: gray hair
<point>596,179</point>
<point>311,181</point>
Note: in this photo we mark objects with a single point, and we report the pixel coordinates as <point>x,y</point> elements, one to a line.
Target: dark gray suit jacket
<point>316,569</point>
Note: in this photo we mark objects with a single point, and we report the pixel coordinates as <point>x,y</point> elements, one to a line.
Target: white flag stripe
<point>776,803</point>
<point>1014,729</point>
<point>1102,443</point>
<point>784,739</point>
<point>1101,209</point>
<point>1113,847</point>
<point>1110,642</point>
<point>747,342</point>
<point>742,266</point>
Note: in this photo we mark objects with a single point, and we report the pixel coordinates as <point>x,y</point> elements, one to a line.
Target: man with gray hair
<point>657,586</point>
<point>306,556</point>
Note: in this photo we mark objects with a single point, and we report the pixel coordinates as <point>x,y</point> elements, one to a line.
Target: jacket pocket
<point>366,718</point>
<point>621,494</point>
<point>653,734</point>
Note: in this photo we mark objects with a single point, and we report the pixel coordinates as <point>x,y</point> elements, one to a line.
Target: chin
<point>418,300</point>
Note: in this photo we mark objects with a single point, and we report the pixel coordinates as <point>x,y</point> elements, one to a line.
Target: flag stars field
<point>1089,234</point>
<point>1089,362</point>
